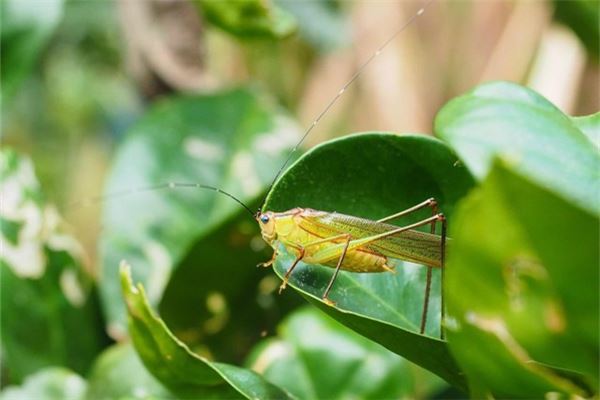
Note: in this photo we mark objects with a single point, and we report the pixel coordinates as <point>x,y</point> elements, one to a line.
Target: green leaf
<point>187,374</point>
<point>505,120</point>
<point>119,373</point>
<point>249,18</point>
<point>590,126</point>
<point>521,285</point>
<point>233,140</point>
<point>49,312</point>
<point>25,29</point>
<point>583,16</point>
<point>317,358</point>
<point>48,384</point>
<point>373,175</point>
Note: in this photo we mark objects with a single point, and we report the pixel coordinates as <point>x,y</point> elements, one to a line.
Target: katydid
<point>354,244</point>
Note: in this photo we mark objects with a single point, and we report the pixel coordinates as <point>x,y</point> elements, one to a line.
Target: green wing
<point>414,246</point>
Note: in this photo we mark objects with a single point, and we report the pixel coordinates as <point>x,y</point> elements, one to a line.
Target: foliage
<point>583,16</point>
<point>52,383</point>
<point>26,27</point>
<point>233,140</point>
<point>249,18</point>
<point>45,289</point>
<point>357,368</point>
<point>382,307</point>
<point>516,178</point>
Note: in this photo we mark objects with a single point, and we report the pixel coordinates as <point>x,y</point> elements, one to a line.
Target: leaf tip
<point>126,280</point>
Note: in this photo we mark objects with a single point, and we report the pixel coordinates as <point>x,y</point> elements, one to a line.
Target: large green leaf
<point>518,125</point>
<point>119,374</point>
<point>187,374</point>
<point>316,357</point>
<point>522,290</point>
<point>248,18</point>
<point>48,384</point>
<point>26,26</point>
<point>49,313</point>
<point>234,140</point>
<point>373,175</point>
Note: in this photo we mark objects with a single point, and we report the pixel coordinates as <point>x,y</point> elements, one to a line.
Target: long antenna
<point>357,73</point>
<point>170,185</point>
<point>343,89</point>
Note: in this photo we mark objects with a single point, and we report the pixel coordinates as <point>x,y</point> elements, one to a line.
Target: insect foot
<point>329,302</point>
<point>282,286</point>
<point>388,268</point>
<point>265,264</point>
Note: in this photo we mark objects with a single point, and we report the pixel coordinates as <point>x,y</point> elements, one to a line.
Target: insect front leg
<point>267,264</point>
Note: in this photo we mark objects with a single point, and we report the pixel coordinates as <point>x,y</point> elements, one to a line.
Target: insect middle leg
<point>301,252</point>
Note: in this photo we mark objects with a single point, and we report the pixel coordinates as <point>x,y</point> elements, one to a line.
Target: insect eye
<point>264,219</point>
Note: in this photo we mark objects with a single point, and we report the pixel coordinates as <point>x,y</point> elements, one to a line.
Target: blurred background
<point>78,75</point>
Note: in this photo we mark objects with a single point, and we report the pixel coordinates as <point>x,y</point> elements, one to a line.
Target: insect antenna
<point>341,91</point>
<point>169,185</point>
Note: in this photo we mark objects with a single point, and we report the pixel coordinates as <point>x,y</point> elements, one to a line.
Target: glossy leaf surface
<point>502,119</point>
<point>374,175</point>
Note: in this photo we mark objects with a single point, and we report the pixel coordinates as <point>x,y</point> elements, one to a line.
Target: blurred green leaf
<point>583,16</point>
<point>49,315</point>
<point>373,175</point>
<point>187,374</point>
<point>248,18</point>
<point>217,296</point>
<point>321,23</point>
<point>119,374</point>
<point>518,125</point>
<point>522,290</point>
<point>26,26</point>
<point>48,384</point>
<point>234,140</point>
<point>590,126</point>
<point>315,357</point>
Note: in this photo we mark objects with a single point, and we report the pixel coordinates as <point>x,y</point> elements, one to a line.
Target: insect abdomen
<point>361,261</point>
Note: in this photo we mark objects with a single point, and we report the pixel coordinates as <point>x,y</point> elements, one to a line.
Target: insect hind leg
<point>433,204</point>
